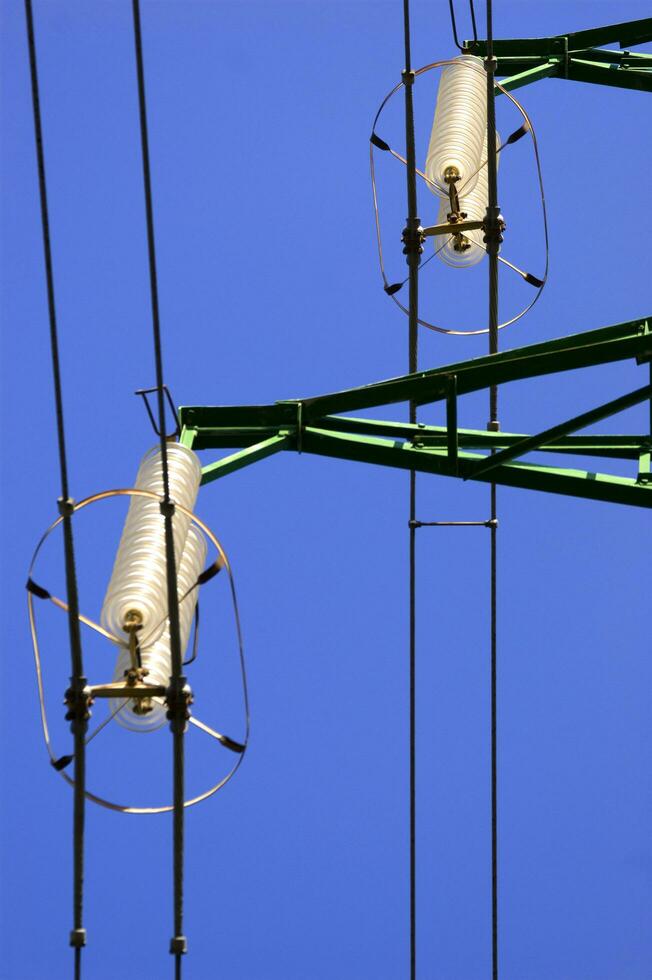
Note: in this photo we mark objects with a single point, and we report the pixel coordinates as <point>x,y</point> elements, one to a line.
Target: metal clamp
<point>66,506</point>
<point>178,699</point>
<point>78,699</point>
<point>167,507</point>
<point>413,237</point>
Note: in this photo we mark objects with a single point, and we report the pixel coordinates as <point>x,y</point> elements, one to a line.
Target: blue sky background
<point>259,121</point>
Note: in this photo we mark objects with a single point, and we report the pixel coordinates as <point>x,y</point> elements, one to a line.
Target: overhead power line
<point>77,698</point>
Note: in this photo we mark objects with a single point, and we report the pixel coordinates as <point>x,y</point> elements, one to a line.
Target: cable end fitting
<point>178,945</point>
<point>78,938</point>
<point>493,425</point>
<point>407,77</point>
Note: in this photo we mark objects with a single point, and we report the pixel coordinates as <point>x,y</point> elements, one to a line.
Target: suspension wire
<point>459,46</point>
<point>178,693</point>
<point>77,699</point>
<point>412,238</point>
<point>493,239</point>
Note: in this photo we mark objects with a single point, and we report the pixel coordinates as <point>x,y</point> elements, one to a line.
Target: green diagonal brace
<point>529,75</point>
<point>236,461</point>
<point>384,452</point>
<point>564,428</point>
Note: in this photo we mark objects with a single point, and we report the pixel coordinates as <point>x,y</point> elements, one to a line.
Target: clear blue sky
<point>259,117</point>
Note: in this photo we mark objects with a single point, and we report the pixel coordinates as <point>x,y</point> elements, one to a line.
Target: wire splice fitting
<point>78,700</point>
<point>413,237</point>
<point>178,699</point>
<point>167,508</point>
<point>407,77</point>
<point>66,506</point>
<point>78,938</point>
<point>178,945</point>
<point>493,227</point>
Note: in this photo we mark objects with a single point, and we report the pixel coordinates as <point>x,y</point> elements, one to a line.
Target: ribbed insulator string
<point>138,581</point>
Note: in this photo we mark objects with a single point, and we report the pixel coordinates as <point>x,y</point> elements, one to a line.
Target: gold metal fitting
<point>461,243</point>
<point>140,705</point>
<point>133,620</point>
<point>451,174</point>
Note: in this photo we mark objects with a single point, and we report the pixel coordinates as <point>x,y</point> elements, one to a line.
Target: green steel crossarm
<point>238,418</point>
<point>608,446</point>
<point>626,59</point>
<point>572,425</point>
<point>626,35</point>
<point>521,48</point>
<point>383,452</point>
<point>614,343</point>
<point>579,70</point>
<point>618,342</point>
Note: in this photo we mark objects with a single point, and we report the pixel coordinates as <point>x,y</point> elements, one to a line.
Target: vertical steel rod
<point>412,241</point>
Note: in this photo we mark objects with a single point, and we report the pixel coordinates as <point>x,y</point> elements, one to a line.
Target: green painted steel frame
<point>577,56</point>
<point>314,425</point>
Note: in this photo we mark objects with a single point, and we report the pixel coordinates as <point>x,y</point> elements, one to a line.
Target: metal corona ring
<point>397,156</point>
<point>222,562</point>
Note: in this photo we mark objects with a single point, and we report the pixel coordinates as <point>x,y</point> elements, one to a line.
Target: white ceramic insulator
<point>157,658</point>
<point>139,582</point>
<point>475,207</point>
<point>459,126</point>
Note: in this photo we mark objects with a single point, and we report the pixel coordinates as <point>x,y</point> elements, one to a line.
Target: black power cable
<point>493,238</point>
<point>412,238</point>
<point>77,698</point>
<point>178,694</point>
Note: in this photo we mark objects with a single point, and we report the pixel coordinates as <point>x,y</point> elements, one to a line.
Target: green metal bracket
<point>564,428</point>
<point>644,473</point>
